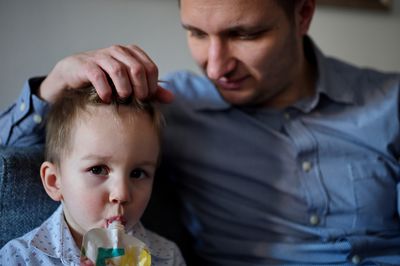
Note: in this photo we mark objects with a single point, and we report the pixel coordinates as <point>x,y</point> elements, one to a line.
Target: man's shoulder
<point>359,73</point>
<point>189,84</point>
<point>193,92</point>
<point>363,83</point>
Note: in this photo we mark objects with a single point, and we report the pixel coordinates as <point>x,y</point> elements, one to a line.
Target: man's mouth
<point>231,83</point>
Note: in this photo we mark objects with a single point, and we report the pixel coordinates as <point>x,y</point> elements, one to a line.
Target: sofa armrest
<point>24,203</point>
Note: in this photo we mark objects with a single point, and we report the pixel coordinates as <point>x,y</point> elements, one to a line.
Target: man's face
<point>109,172</point>
<point>248,48</point>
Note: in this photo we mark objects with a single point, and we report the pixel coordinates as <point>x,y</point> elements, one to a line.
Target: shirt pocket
<point>375,192</point>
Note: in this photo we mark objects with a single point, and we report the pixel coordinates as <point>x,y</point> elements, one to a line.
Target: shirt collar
<point>332,82</point>
<point>332,78</point>
<point>54,239</point>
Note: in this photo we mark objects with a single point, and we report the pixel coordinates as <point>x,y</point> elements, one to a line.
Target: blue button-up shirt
<point>314,184</point>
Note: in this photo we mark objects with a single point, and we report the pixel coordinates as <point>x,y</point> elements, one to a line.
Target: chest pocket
<point>376,195</point>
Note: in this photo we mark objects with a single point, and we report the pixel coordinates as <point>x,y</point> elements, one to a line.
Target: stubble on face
<point>271,62</point>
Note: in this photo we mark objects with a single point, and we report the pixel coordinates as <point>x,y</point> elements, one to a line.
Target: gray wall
<point>36,34</point>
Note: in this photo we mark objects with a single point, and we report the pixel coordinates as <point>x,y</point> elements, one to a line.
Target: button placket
<point>309,174</point>
<point>307,166</point>
<point>37,118</point>
<point>22,106</point>
<point>314,219</point>
<point>356,259</point>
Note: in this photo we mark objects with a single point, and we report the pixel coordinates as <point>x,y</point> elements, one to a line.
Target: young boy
<point>100,163</point>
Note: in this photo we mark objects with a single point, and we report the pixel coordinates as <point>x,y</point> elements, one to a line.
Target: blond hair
<point>72,104</point>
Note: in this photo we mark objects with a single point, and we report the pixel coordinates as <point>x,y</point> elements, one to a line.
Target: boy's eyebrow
<point>96,157</point>
<point>106,158</point>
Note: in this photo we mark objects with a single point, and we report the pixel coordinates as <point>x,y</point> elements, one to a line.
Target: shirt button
<point>356,259</point>
<point>37,118</point>
<point>22,106</point>
<point>314,219</point>
<point>306,166</point>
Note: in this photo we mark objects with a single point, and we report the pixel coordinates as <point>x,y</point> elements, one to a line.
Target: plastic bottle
<point>112,246</point>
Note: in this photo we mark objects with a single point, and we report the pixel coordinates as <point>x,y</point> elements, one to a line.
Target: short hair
<point>288,7</point>
<point>72,104</point>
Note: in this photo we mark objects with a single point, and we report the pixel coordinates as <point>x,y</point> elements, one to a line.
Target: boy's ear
<point>51,180</point>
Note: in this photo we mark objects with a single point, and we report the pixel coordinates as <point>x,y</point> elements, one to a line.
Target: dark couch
<point>24,203</point>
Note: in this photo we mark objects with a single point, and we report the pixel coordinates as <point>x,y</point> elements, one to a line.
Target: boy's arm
<point>22,124</point>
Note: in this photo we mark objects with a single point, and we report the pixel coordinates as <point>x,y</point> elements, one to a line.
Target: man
<point>280,155</point>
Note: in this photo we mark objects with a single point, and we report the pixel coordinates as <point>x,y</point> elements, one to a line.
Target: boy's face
<point>109,171</point>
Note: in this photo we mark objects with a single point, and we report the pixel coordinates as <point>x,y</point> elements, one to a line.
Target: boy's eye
<point>99,170</point>
<point>138,173</point>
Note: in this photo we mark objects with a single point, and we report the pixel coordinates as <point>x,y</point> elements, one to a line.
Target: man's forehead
<point>209,14</point>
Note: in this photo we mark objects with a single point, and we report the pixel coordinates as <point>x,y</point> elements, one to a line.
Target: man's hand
<point>129,67</point>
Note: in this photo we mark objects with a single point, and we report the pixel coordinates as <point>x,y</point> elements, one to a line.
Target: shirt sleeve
<point>22,124</point>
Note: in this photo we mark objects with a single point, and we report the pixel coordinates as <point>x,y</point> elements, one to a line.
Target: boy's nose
<point>120,192</point>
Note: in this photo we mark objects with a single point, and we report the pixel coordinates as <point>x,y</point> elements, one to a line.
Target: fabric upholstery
<point>24,203</point>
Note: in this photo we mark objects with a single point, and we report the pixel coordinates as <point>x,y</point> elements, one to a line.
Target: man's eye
<point>138,173</point>
<point>99,170</point>
<point>197,34</point>
<point>249,35</point>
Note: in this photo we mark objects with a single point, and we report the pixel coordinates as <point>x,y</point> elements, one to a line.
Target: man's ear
<point>304,13</point>
<point>51,180</point>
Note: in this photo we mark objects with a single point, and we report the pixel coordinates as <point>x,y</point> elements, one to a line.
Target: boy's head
<point>100,159</point>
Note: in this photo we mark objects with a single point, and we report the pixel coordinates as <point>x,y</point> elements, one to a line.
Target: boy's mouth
<point>116,218</point>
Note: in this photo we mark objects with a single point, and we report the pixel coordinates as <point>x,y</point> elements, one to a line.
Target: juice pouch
<point>111,246</point>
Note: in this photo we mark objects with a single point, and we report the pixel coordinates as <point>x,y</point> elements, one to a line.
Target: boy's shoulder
<point>41,245</point>
<point>163,251</point>
<point>19,250</point>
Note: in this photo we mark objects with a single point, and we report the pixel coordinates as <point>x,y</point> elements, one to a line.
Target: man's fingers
<point>98,79</point>
<point>137,69</point>
<point>163,95</point>
<point>150,67</point>
<point>118,73</point>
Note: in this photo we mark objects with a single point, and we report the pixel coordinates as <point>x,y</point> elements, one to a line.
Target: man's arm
<point>131,70</point>
<point>22,124</point>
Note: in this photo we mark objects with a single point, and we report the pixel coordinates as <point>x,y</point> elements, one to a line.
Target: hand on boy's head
<point>130,69</point>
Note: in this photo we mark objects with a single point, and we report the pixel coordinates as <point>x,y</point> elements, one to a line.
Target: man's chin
<point>237,98</point>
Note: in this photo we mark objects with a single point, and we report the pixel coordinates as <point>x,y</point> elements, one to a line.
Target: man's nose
<point>220,60</point>
<point>120,191</point>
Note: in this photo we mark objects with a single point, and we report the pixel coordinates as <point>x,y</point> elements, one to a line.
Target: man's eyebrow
<point>189,27</point>
<point>239,28</point>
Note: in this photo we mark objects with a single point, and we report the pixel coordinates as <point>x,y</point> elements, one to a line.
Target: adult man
<point>281,155</point>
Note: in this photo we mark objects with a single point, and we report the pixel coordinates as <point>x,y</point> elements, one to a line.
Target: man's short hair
<point>287,5</point>
<point>73,104</point>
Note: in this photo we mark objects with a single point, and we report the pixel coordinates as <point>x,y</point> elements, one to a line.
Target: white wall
<point>366,38</point>
<point>35,34</point>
